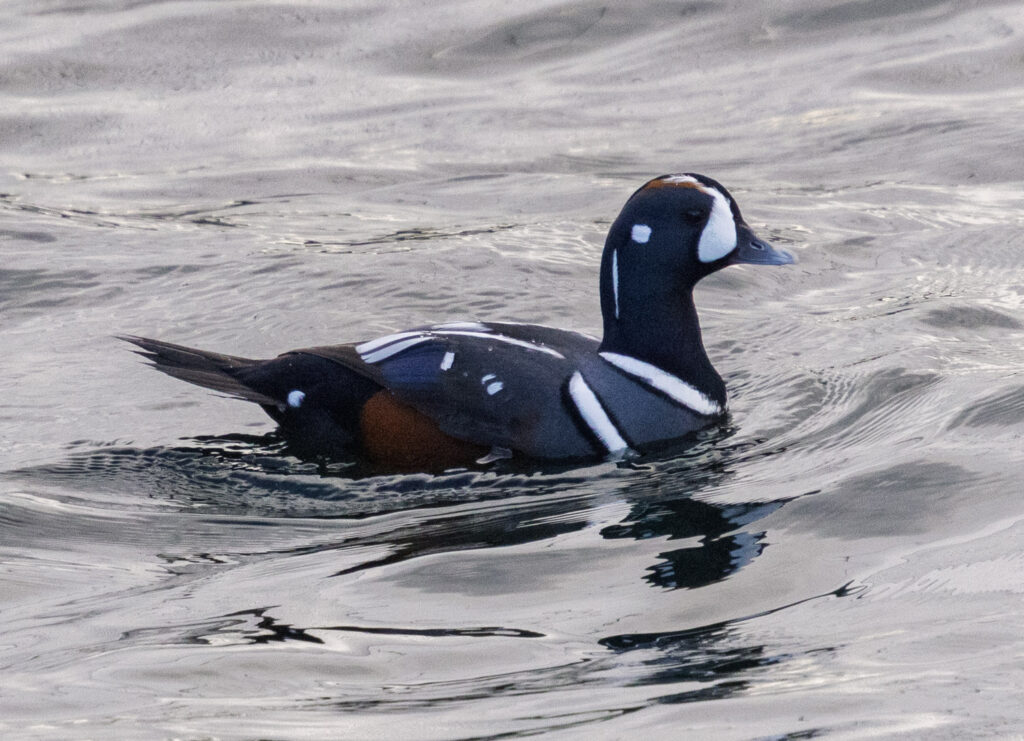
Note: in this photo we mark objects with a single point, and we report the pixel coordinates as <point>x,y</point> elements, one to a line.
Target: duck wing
<point>503,385</point>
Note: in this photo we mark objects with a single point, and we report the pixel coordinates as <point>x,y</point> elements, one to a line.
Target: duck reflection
<point>509,507</point>
<point>713,556</point>
<point>682,542</point>
<point>716,540</point>
<point>460,511</point>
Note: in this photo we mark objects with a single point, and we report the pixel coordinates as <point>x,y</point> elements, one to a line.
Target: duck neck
<point>659,325</point>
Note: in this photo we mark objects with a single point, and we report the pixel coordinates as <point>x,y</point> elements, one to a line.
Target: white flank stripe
<point>386,340</point>
<point>447,360</point>
<point>506,340</point>
<point>615,279</point>
<point>675,387</point>
<point>387,352</point>
<point>594,414</point>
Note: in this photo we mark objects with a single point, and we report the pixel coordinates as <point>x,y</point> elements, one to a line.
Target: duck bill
<point>754,251</point>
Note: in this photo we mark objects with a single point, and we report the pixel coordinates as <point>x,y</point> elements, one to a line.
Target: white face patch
<point>641,233</point>
<point>295,398</point>
<point>719,236</point>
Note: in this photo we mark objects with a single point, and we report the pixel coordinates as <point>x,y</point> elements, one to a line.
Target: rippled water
<point>843,558</point>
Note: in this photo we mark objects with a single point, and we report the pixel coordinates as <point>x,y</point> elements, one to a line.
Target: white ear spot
<point>719,236</point>
<point>295,398</point>
<point>641,233</point>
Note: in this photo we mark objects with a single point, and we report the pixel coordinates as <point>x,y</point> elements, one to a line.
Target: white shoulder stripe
<point>594,415</point>
<point>675,387</point>
<point>393,349</point>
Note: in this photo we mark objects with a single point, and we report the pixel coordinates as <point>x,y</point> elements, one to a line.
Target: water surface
<point>842,558</point>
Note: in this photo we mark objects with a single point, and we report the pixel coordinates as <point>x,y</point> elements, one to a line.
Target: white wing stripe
<point>372,345</point>
<point>594,415</point>
<point>392,344</point>
<point>387,352</point>
<point>675,387</point>
<point>503,338</point>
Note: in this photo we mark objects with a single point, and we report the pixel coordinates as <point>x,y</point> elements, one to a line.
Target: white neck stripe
<point>615,280</point>
<point>594,415</point>
<point>673,386</point>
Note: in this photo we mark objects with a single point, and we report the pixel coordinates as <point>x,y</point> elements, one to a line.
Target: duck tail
<point>203,368</point>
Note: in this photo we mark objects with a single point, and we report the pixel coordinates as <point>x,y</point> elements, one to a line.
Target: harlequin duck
<point>451,394</point>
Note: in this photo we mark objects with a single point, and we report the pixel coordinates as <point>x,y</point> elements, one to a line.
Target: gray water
<point>842,559</point>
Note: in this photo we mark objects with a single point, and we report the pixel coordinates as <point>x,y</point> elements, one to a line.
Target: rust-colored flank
<point>394,434</point>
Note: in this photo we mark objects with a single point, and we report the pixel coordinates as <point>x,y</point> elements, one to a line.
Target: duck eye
<point>694,215</point>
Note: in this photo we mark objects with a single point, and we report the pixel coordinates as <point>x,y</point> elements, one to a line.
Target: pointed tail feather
<point>203,368</point>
